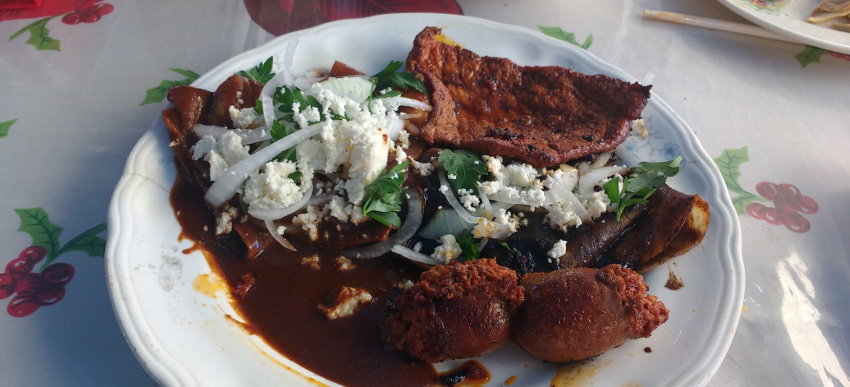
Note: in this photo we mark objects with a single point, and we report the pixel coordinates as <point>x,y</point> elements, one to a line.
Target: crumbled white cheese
<point>224,224</point>
<point>597,204</point>
<point>561,216</point>
<point>221,154</point>
<point>272,188</point>
<point>243,118</point>
<point>344,263</point>
<point>448,250</point>
<point>312,262</point>
<point>558,249</point>
<point>469,199</point>
<point>346,303</point>
<point>503,225</point>
<point>423,169</point>
<point>337,208</point>
<point>309,221</point>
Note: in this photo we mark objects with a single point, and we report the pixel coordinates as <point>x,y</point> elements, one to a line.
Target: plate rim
<point>172,373</point>
<point>802,33</point>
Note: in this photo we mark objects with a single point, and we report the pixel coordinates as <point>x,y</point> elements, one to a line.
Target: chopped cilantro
<point>383,196</point>
<point>261,73</point>
<point>466,167</point>
<point>508,247</point>
<point>467,245</point>
<point>643,180</point>
<point>389,77</point>
<point>279,131</point>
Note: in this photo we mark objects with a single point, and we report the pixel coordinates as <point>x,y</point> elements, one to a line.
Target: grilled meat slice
<point>542,115</point>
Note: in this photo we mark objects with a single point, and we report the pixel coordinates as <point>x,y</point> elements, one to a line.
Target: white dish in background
<point>174,312</point>
<point>788,18</point>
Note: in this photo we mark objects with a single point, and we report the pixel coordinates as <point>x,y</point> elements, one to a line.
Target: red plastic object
<point>19,4</point>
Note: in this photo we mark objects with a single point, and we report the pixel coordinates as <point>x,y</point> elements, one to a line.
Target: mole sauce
<point>281,305</point>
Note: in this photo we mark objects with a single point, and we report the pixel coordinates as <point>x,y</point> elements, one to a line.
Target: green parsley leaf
<point>390,78</point>
<point>279,131</point>
<point>640,184</point>
<point>466,167</point>
<point>508,247</point>
<point>468,245</point>
<point>383,196</point>
<point>261,73</point>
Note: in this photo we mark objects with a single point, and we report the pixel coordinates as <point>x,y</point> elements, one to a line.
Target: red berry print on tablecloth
<point>789,204</point>
<point>71,13</point>
<point>89,14</point>
<point>34,280</point>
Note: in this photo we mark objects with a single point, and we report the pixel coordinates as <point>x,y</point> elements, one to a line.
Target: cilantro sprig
<point>383,196</point>
<point>389,77</point>
<point>261,73</point>
<point>468,245</point>
<point>640,184</point>
<point>466,167</point>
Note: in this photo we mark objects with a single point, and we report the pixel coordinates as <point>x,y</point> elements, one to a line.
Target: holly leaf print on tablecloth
<point>5,126</point>
<point>789,203</point>
<point>31,289</point>
<point>569,37</point>
<point>809,55</point>
<point>39,35</point>
<point>158,94</point>
<point>728,164</point>
<point>36,223</point>
<point>812,54</point>
<point>72,12</point>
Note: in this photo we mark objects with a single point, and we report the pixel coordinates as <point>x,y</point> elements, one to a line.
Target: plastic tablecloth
<point>82,80</point>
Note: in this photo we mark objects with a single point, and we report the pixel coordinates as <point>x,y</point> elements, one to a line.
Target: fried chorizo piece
<point>542,115</point>
<point>578,313</point>
<point>454,311</point>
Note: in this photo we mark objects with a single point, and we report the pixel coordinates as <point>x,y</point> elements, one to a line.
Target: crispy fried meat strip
<point>542,115</point>
<point>574,314</point>
<point>455,311</point>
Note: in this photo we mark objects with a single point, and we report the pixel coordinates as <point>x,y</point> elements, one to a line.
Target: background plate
<point>788,18</point>
<point>175,312</point>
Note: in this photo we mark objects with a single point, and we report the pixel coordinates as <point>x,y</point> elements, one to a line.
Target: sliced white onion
<point>445,221</point>
<point>446,189</point>
<point>413,129</point>
<point>405,232</point>
<point>396,126</point>
<point>273,230</point>
<point>404,101</point>
<point>355,88</point>
<point>407,116</point>
<point>505,196</point>
<point>249,136</point>
<point>288,58</point>
<point>225,187</point>
<point>568,197</point>
<point>277,213</point>
<point>594,177</point>
<point>601,160</point>
<point>415,255</point>
<point>485,202</point>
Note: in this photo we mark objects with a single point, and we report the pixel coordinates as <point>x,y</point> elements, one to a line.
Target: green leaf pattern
<point>569,37</point>
<point>39,35</point>
<point>36,223</point>
<point>729,163</point>
<point>5,126</point>
<point>158,94</point>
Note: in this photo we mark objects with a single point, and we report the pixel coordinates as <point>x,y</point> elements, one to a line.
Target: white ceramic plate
<point>788,18</point>
<point>174,311</point>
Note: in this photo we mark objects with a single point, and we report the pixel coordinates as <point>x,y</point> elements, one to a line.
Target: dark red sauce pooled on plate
<point>281,304</point>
